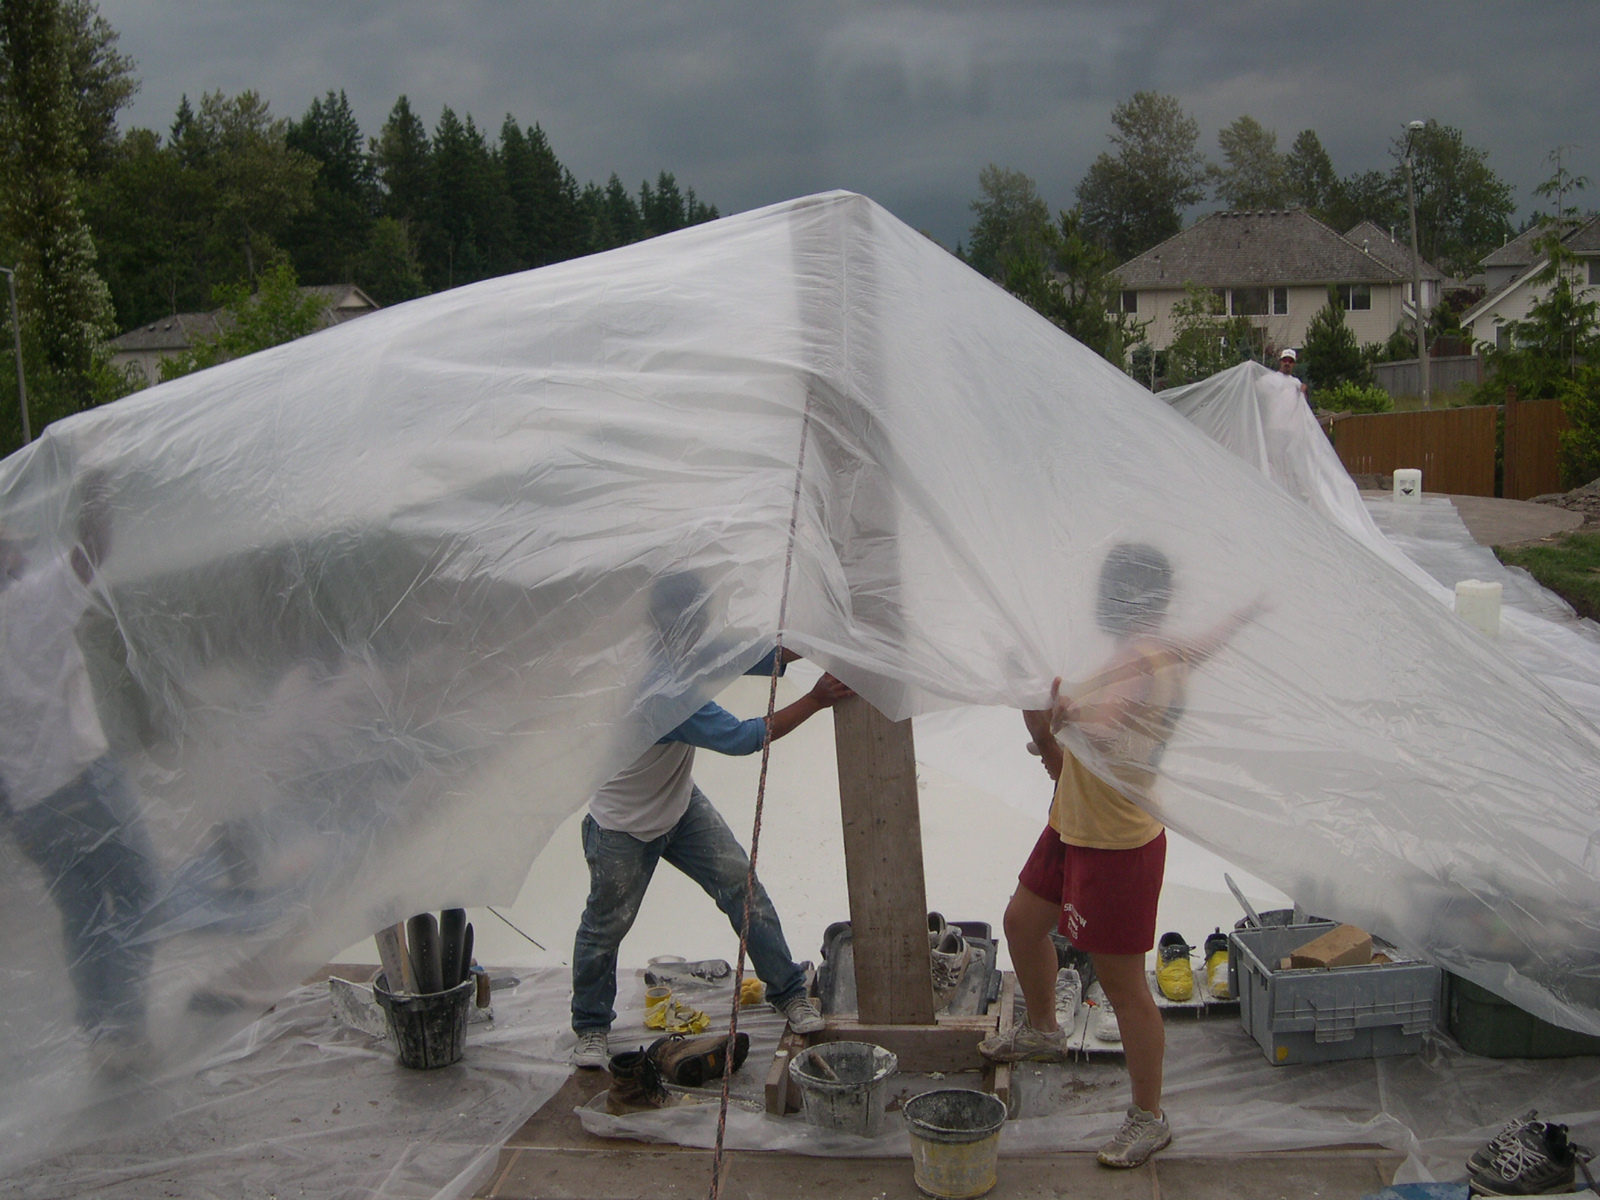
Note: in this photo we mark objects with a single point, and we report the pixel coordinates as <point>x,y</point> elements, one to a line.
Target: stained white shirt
<point>49,727</point>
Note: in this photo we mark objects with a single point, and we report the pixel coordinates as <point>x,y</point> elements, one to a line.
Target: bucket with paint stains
<point>955,1141</point>
<point>845,1085</point>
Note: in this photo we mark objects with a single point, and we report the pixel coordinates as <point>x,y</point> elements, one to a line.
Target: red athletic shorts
<point>1108,897</point>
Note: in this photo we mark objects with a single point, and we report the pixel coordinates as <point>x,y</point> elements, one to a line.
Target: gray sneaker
<point>803,1016</point>
<point>1023,1043</point>
<point>1141,1135</point>
<point>593,1050</point>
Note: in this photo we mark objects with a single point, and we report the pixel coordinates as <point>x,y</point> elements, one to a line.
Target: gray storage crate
<point>1318,1015</point>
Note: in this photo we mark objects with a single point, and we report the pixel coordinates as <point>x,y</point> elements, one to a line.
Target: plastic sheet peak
<point>372,612</point>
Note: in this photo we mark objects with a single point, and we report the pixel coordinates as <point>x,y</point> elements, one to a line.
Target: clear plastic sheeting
<point>299,1105</point>
<point>1222,1097</point>
<point>365,616</point>
<point>1537,627</point>
<point>1259,415</point>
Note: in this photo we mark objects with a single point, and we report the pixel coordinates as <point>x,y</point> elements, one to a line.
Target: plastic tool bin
<point>1321,1014</point>
<point>1487,1025</point>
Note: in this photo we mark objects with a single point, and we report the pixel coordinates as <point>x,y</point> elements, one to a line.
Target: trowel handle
<point>1239,896</point>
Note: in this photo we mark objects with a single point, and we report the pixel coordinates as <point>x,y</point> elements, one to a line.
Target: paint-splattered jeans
<point>620,868</point>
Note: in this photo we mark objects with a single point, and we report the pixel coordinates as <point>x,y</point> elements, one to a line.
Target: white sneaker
<point>1141,1135</point>
<point>1103,1025</point>
<point>1069,995</point>
<point>803,1016</point>
<point>593,1050</point>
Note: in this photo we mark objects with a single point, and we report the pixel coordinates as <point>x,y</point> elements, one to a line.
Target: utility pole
<point>1414,128</point>
<point>16,333</point>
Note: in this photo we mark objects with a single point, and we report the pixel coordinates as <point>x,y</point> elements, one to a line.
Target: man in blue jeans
<point>652,811</point>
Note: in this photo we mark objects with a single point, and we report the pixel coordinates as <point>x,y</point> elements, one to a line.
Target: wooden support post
<point>780,1089</point>
<point>883,866</point>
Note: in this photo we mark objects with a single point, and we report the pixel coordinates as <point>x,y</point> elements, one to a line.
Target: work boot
<point>636,1085</point>
<point>696,1061</point>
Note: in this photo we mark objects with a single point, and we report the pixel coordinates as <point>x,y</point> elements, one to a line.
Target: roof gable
<point>1275,246</point>
<point>1389,250</point>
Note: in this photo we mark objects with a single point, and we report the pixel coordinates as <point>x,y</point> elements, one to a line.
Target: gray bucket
<point>955,1141</point>
<point>854,1101</point>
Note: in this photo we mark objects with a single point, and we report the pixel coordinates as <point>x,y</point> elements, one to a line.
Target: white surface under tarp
<point>300,1105</point>
<point>384,605</point>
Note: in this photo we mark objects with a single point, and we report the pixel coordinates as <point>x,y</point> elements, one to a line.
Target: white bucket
<point>849,1093</point>
<point>1408,485</point>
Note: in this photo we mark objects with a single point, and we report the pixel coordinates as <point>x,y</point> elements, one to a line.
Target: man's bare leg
<point>1029,921</point>
<point>1144,1040</point>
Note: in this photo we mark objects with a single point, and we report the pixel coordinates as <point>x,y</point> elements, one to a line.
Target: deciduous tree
<point>1135,198</point>
<point>1254,175</point>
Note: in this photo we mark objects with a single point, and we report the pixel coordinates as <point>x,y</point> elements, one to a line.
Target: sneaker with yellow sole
<point>1174,975</point>
<point>1216,952</point>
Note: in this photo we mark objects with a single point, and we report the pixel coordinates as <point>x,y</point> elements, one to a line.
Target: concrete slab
<point>1496,522</point>
<point>552,1157</point>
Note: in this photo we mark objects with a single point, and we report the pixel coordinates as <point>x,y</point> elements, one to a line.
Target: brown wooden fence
<point>1533,447</point>
<point>1453,447</point>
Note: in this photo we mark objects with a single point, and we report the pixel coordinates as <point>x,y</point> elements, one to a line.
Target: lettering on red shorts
<point>1075,920</point>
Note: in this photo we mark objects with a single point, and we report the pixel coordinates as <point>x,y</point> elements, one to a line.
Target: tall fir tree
<point>1310,181</point>
<point>66,307</point>
<point>330,237</point>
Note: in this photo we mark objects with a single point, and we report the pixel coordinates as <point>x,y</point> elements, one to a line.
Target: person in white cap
<point>1286,364</point>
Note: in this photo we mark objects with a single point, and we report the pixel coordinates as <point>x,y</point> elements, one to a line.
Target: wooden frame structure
<point>889,918</point>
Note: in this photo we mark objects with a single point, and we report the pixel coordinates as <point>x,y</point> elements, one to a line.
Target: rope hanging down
<point>761,796</point>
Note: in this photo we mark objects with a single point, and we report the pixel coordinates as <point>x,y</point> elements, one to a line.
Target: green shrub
<point>1349,396</point>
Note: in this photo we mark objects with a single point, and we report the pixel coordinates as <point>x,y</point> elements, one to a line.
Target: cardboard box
<point>1344,946</point>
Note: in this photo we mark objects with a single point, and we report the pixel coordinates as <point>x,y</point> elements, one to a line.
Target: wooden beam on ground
<point>883,867</point>
<point>997,1076</point>
<point>949,1045</point>
<point>781,1094</point>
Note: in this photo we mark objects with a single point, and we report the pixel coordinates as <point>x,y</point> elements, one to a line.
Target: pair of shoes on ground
<point>593,1048</point>
<point>1175,976</point>
<point>639,1078</point>
<point>1528,1157</point>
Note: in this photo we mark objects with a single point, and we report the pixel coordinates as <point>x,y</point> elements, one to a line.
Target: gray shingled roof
<point>1275,246</point>
<point>1586,238</point>
<point>182,330</point>
<point>1518,252</point>
<point>177,332</point>
<point>1390,251</point>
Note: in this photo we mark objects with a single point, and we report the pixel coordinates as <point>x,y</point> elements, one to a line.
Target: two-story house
<point>1510,278</point>
<point>1275,267</point>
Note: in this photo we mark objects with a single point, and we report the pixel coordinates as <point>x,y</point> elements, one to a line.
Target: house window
<point>1130,302</point>
<point>1355,297</point>
<point>1280,301</point>
<point>1594,272</point>
<point>1250,302</point>
<point>1502,338</point>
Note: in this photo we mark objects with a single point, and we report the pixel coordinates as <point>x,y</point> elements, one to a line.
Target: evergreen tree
<point>470,225</point>
<point>329,238</point>
<point>277,311</point>
<point>544,197</point>
<point>1135,199</point>
<point>1309,178</point>
<point>102,81</point>
<point>1331,355</point>
<point>1255,174</point>
<point>402,157</point>
<point>66,307</point>
<point>389,269</point>
<point>613,215</point>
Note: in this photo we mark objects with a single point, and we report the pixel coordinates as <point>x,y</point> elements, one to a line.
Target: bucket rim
<point>806,1079</point>
<point>382,994</point>
<point>928,1131</point>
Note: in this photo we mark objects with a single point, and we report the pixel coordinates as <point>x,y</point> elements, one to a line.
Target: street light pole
<point>16,333</point>
<point>1412,130</point>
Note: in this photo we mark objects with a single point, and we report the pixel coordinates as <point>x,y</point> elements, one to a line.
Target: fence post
<point>1510,445</point>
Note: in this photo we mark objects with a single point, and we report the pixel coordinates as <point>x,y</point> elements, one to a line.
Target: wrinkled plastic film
<point>382,606</point>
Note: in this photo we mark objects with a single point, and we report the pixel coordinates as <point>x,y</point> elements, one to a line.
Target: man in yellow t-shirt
<point>1097,869</point>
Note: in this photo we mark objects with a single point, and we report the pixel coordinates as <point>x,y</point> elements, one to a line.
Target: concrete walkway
<point>1496,522</point>
<point>552,1157</point>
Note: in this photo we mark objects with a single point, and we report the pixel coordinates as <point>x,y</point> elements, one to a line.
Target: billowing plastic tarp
<point>1260,416</point>
<point>370,613</point>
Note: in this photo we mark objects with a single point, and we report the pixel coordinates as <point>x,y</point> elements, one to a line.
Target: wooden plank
<point>947,1046</point>
<point>780,1089</point>
<point>997,1076</point>
<point>883,865</point>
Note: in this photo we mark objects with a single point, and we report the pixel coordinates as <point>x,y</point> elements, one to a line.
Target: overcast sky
<point>751,103</point>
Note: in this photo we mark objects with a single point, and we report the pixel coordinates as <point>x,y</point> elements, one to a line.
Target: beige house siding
<point>1370,325</point>
<point>1513,304</point>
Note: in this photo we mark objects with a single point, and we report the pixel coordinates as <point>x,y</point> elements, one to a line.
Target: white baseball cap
<point>1290,355</point>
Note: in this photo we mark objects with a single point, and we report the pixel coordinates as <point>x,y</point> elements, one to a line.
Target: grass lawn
<point>1570,568</point>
